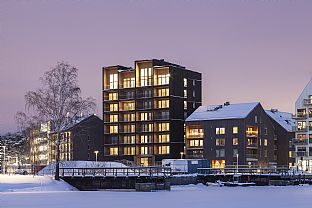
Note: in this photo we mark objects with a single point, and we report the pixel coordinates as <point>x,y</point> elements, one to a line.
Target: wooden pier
<point>142,178</point>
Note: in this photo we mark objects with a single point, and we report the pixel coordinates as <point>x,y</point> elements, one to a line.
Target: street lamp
<point>96,155</point>
<point>181,153</point>
<point>3,162</point>
<point>236,163</point>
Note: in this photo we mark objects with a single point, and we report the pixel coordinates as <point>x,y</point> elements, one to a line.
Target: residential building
<point>144,109</point>
<point>81,139</point>
<point>39,144</point>
<point>303,138</point>
<point>284,149</point>
<point>231,134</point>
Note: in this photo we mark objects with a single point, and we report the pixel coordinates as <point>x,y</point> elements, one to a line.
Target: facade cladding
<point>144,109</point>
<point>231,133</point>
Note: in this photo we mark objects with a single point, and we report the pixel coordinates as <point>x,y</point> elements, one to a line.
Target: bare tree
<point>57,98</point>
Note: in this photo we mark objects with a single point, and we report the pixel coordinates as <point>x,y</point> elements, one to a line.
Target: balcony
<point>251,133</point>
<point>300,116</point>
<point>301,154</point>
<point>307,101</point>
<point>300,141</point>
<point>300,129</point>
<point>253,145</point>
<point>195,136</point>
<point>252,157</point>
<point>108,87</point>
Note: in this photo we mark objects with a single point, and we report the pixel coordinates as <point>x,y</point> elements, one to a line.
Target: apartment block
<point>303,137</point>
<point>231,134</point>
<point>144,109</point>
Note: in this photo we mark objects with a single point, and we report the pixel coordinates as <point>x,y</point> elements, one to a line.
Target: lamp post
<point>3,162</point>
<point>96,155</point>
<point>236,163</point>
<point>181,153</point>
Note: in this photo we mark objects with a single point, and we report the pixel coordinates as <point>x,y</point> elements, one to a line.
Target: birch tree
<point>59,97</point>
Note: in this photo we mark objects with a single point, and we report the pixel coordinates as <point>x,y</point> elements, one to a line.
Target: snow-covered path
<point>180,197</point>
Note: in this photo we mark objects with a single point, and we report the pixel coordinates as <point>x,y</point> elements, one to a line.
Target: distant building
<point>144,109</point>
<point>284,149</point>
<point>226,133</point>
<point>39,144</point>
<point>80,139</point>
<point>303,139</point>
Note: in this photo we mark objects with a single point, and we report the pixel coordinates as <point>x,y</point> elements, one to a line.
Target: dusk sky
<point>246,50</point>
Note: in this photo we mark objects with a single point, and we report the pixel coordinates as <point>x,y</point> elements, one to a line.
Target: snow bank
<point>49,169</point>
<point>30,183</point>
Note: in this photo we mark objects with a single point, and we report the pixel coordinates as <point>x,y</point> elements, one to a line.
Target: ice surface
<point>191,196</point>
<point>30,183</point>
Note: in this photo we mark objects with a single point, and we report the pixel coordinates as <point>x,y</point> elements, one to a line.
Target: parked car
<point>21,172</point>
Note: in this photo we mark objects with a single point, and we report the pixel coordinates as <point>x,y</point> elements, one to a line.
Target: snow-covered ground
<point>29,183</point>
<point>191,196</point>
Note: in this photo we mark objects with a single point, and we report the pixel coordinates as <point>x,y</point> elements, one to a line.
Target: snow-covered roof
<point>74,122</point>
<point>306,92</point>
<point>220,112</point>
<point>283,118</point>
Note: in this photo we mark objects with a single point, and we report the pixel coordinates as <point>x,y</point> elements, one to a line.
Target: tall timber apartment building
<point>144,109</point>
<point>303,140</point>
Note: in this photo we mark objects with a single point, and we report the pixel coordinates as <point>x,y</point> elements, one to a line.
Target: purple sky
<point>246,50</point>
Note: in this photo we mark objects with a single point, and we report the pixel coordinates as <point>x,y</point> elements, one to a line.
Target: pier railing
<point>117,171</point>
<point>209,171</point>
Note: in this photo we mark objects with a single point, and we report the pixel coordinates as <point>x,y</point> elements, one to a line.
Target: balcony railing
<point>300,141</point>
<point>252,156</point>
<point>194,136</point>
<point>253,145</point>
<point>301,129</point>
<point>300,116</point>
<point>301,154</point>
<point>251,134</point>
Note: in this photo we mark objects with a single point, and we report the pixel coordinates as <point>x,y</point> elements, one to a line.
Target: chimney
<point>226,103</point>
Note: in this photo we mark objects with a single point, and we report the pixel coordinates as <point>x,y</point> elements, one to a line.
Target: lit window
<point>146,76</point>
<point>129,82</point>
<point>220,131</point>
<point>196,143</point>
<point>113,129</point>
<point>220,142</point>
<point>163,79</point>
<point>185,82</point>
<point>113,107</point>
<point>129,150</point>
<point>144,151</point>
<point>185,93</point>
<point>185,105</point>
<point>163,150</point>
<point>265,142</point>
<point>147,128</point>
<point>113,118</point>
<point>146,116</point>
<point>196,132</point>
<point>163,127</point>
<point>129,106</point>
<point>163,103</point>
<point>113,81</point>
<point>113,96</point>
<point>235,130</point>
<point>163,92</point>
<point>235,141</point>
<point>145,139</point>
<point>113,151</point>
<point>163,138</point>
<point>129,139</point>
<point>129,117</point>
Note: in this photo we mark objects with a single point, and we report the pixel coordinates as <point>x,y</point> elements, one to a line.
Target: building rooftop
<point>282,118</point>
<point>220,112</point>
<point>75,121</point>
